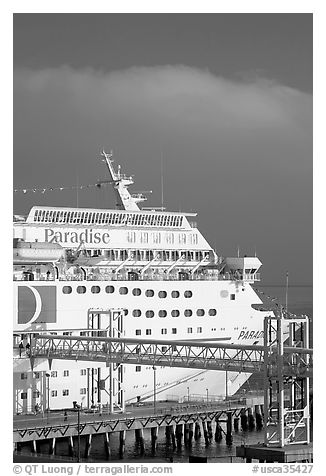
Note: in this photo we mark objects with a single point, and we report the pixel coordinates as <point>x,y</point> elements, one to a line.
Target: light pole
<point>226,385</point>
<point>77,408</point>
<point>47,375</point>
<point>207,394</point>
<point>154,369</point>
<point>188,394</point>
<point>78,424</point>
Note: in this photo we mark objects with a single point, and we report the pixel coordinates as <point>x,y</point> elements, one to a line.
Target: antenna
<point>77,189</point>
<point>162,183</point>
<point>286,291</point>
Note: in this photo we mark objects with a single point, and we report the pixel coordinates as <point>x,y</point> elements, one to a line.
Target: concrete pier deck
<point>287,454</point>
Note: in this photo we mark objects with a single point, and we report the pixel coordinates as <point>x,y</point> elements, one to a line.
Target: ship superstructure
<point>126,272</point>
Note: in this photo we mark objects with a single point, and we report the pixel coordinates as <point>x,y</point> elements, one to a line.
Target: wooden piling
<point>251,419</point>
<point>154,438</point>
<point>191,432</point>
<point>209,430</point>
<point>88,445</point>
<point>259,418</point>
<point>178,434</point>
<point>236,423</point>
<point>107,445</point>
<point>122,442</point>
<point>229,437</point>
<point>186,434</point>
<point>173,437</point>
<point>33,446</point>
<point>52,446</point>
<point>244,419</point>
<point>205,432</point>
<point>70,446</point>
<point>197,431</point>
<point>218,431</point>
<point>168,434</point>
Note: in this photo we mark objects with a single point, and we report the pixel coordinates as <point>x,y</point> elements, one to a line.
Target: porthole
<point>188,312</point>
<point>175,313</point>
<point>175,294</point>
<point>81,289</point>
<point>200,312</point>
<point>66,289</point>
<point>162,294</point>
<point>212,312</point>
<point>109,289</point>
<point>136,312</point>
<point>95,289</point>
<point>123,290</point>
<point>162,313</point>
<point>188,294</point>
<point>149,313</point>
<point>136,292</point>
<point>149,293</point>
<point>126,312</point>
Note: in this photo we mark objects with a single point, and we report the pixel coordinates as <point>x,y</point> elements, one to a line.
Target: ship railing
<point>202,276</point>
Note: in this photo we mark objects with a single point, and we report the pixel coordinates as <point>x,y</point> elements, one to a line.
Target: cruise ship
<point>75,268</point>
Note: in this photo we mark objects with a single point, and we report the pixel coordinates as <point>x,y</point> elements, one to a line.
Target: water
<point>300,298</point>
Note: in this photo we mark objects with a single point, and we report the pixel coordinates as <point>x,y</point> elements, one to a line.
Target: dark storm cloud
<point>236,151</point>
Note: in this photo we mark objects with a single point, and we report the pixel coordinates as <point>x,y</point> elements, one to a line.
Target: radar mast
<point>121,182</point>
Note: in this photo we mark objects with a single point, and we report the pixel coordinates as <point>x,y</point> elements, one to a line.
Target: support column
<point>236,423</point>
<point>244,419</point>
<point>107,445</point>
<point>34,446</point>
<point>218,431</point>
<point>259,418</point>
<point>168,434</point>
<point>251,420</point>
<point>52,446</point>
<point>205,433</point>
<point>122,443</point>
<point>229,437</point>
<point>178,433</point>
<point>173,437</point>
<point>209,430</point>
<point>191,432</point>
<point>139,434</point>
<point>186,434</point>
<point>197,431</point>
<point>88,446</point>
<point>70,446</point>
<point>154,439</point>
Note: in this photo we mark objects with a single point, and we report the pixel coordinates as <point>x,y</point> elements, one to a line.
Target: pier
<point>182,423</point>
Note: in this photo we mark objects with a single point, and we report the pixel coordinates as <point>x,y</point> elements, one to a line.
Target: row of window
<point>106,218</point>
<point>148,332</point>
<point>123,290</point>
<point>54,393</point>
<point>145,255</point>
<point>174,313</point>
<point>54,373</point>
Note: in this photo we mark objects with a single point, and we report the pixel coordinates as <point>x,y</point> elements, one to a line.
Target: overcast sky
<point>225,99</point>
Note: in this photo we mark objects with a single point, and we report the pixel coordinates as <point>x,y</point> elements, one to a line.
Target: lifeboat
<point>36,252</point>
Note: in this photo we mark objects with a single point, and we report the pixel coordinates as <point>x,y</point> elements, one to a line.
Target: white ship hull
<point>235,322</point>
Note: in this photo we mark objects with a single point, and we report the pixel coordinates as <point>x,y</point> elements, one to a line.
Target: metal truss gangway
<point>167,353</point>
